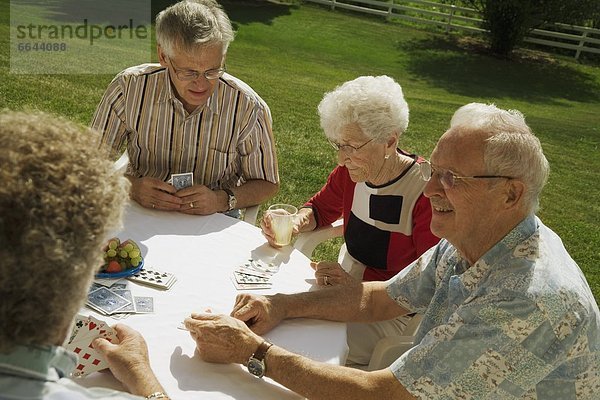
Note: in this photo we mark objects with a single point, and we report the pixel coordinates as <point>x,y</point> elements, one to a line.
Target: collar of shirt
<point>470,277</point>
<point>166,93</point>
<point>49,363</point>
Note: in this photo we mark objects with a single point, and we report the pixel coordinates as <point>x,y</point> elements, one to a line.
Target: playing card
<point>109,283</point>
<point>89,360</point>
<point>105,301</point>
<point>181,181</point>
<point>79,322</point>
<point>249,286</point>
<point>260,266</point>
<point>252,272</point>
<point>155,278</point>
<point>246,278</point>
<point>144,305</point>
<point>130,308</point>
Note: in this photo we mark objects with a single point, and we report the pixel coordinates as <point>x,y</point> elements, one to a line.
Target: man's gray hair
<point>375,103</point>
<point>191,23</point>
<point>511,148</point>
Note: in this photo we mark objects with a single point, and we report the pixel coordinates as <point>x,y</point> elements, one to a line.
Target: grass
<point>293,54</point>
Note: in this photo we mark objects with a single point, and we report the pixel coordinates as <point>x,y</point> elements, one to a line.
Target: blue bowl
<point>122,274</point>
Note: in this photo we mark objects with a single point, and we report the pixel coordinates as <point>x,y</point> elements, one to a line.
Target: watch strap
<point>261,352</point>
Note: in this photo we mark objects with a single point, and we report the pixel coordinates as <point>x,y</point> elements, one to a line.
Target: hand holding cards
<point>85,330</point>
<point>181,181</point>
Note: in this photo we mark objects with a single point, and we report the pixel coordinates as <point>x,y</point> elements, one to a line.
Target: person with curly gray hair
<point>188,115</point>
<point>378,191</point>
<point>59,199</point>
<point>507,313</point>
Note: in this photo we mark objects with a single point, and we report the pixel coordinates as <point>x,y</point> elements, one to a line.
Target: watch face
<point>256,367</point>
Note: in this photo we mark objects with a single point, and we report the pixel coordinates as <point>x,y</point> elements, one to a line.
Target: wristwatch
<point>256,363</point>
<point>232,201</point>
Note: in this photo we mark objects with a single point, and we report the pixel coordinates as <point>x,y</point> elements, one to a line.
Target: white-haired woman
<point>376,188</point>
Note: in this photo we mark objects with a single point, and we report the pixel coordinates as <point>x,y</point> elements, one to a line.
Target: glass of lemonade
<point>282,222</point>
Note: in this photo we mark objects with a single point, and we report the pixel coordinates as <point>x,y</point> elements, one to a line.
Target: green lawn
<point>293,54</point>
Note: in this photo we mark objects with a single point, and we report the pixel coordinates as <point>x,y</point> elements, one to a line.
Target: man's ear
<point>515,189</point>
<point>162,57</point>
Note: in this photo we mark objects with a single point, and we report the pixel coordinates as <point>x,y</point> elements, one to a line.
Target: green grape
<point>111,253</point>
<point>128,247</point>
<point>134,253</point>
<point>136,261</point>
<point>113,244</point>
<point>123,254</point>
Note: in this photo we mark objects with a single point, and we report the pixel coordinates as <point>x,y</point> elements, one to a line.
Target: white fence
<point>451,17</point>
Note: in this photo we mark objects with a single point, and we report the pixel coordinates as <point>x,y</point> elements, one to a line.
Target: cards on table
<point>154,278</point>
<point>85,330</point>
<point>181,181</point>
<point>253,275</point>
<point>117,301</point>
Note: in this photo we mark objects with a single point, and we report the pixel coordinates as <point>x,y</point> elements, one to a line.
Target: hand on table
<point>128,360</point>
<point>330,274</point>
<point>258,312</point>
<point>200,200</point>
<point>222,339</point>
<point>154,193</point>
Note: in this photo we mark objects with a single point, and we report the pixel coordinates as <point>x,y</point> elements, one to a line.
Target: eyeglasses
<point>448,178</point>
<point>348,148</point>
<point>192,75</point>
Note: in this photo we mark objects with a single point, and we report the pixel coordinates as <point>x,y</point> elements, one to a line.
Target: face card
<point>106,301</point>
<point>181,181</point>
<point>144,305</point>
<point>79,322</point>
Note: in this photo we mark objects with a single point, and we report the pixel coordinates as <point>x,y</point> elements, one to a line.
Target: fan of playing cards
<point>121,259</point>
<point>85,330</point>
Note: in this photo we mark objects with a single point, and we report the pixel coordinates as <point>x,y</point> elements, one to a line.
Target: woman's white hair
<point>511,148</point>
<point>375,103</point>
<point>191,23</point>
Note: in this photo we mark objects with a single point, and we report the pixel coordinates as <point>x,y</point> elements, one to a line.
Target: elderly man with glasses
<point>187,115</point>
<point>508,313</point>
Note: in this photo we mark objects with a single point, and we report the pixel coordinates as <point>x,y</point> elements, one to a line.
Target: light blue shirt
<point>521,323</point>
<point>36,372</point>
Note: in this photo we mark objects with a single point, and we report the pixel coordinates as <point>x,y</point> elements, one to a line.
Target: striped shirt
<point>224,143</point>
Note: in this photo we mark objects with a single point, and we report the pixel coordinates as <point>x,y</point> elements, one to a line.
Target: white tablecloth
<point>202,251</point>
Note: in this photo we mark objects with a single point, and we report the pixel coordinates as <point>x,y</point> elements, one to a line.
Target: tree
<point>510,21</point>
